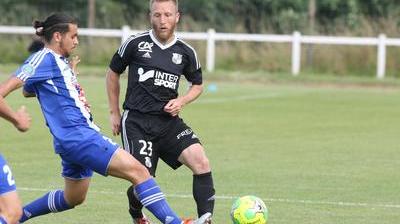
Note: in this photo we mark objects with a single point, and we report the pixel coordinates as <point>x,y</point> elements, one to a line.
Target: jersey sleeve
<point>36,69</point>
<point>192,70</point>
<point>122,57</point>
<point>28,88</point>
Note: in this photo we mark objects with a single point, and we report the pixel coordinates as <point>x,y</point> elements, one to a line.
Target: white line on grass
<point>236,98</point>
<point>281,200</point>
<point>227,99</point>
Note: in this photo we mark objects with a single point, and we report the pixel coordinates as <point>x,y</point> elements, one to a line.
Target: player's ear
<point>57,36</point>
<point>178,15</point>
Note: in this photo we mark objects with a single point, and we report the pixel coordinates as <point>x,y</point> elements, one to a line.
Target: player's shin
<point>204,193</point>
<point>135,207</point>
<point>53,201</point>
<point>153,199</point>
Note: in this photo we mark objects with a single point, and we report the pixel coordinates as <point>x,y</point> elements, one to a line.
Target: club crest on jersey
<point>176,58</point>
<point>145,47</point>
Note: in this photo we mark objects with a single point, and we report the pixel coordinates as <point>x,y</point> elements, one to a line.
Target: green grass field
<point>325,154</point>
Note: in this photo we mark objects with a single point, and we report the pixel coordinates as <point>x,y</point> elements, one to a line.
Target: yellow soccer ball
<point>249,210</point>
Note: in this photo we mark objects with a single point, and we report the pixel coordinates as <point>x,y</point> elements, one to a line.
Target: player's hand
<point>23,119</point>
<point>174,106</point>
<point>74,63</point>
<point>115,120</point>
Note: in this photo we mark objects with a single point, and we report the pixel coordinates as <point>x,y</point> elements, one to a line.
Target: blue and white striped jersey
<point>49,76</point>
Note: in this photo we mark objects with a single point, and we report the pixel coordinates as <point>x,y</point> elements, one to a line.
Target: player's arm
<point>113,91</point>
<point>193,93</point>
<point>118,64</point>
<point>10,85</point>
<point>174,106</point>
<point>20,119</point>
<point>193,74</point>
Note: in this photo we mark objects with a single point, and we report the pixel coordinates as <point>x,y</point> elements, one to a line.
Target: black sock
<point>203,193</point>
<point>135,207</point>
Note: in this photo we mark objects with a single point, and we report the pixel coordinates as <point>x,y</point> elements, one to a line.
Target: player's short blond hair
<point>174,1</point>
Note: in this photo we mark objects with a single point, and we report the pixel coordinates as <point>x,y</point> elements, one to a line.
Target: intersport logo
<point>160,78</point>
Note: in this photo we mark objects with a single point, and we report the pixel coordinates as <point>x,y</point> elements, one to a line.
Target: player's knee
<point>16,215</point>
<point>80,200</point>
<point>138,173</point>
<point>141,171</point>
<point>200,165</point>
<point>76,200</point>
<point>204,164</point>
<point>125,166</point>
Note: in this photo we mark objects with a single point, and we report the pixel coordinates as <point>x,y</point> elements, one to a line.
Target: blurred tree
<point>255,16</point>
<point>311,30</point>
<point>91,13</point>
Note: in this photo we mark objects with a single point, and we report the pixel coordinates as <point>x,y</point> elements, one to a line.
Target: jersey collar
<point>160,45</point>
<point>56,55</point>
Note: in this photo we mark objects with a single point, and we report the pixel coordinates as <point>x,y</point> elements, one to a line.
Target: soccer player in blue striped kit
<point>48,76</point>
<point>10,204</point>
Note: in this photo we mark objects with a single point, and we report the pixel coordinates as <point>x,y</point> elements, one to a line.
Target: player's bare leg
<point>124,165</point>
<point>75,191</point>
<point>195,159</point>
<point>10,207</point>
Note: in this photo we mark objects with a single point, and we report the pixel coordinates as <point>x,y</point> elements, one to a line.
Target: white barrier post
<point>210,50</point>
<point>296,53</point>
<point>381,57</point>
<point>126,31</point>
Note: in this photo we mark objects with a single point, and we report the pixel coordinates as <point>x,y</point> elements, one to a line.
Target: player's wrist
<point>113,112</point>
<point>18,125</point>
<point>13,118</point>
<point>184,100</point>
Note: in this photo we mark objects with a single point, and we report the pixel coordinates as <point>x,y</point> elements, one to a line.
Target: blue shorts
<point>92,153</point>
<point>7,182</point>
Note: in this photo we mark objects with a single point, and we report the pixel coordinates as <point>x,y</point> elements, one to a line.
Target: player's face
<point>69,40</point>
<point>164,16</point>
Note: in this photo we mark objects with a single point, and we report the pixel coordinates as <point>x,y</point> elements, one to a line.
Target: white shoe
<point>204,219</point>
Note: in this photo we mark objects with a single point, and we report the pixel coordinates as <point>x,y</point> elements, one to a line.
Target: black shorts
<point>150,137</point>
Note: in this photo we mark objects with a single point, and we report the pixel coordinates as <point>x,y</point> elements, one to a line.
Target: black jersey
<point>154,71</point>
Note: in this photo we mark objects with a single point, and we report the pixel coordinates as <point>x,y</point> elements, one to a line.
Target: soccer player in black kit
<point>150,125</point>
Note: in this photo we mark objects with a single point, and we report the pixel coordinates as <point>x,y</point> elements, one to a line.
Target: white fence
<point>381,42</point>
